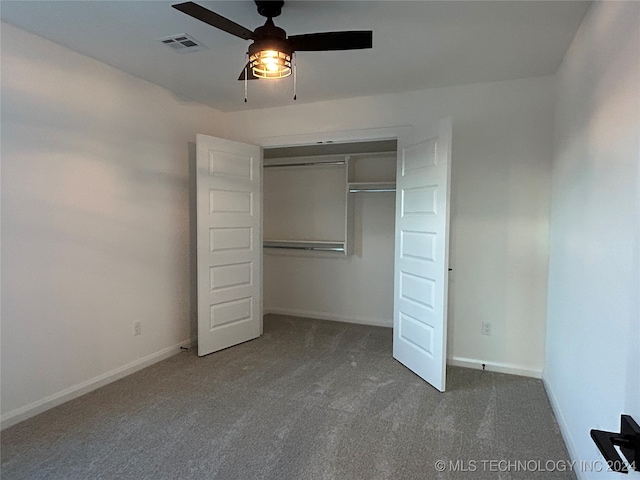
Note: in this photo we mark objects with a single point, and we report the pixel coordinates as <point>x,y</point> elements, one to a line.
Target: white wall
<point>95,223</point>
<point>592,367</point>
<point>502,149</point>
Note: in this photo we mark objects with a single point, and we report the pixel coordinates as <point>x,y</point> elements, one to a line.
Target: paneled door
<point>229,243</point>
<point>421,253</point>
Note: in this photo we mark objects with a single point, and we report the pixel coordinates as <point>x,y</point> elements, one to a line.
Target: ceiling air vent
<point>182,43</point>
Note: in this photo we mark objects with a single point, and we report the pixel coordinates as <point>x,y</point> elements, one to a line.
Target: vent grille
<point>182,43</point>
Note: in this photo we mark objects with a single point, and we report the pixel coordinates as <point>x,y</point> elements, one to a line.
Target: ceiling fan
<point>271,52</point>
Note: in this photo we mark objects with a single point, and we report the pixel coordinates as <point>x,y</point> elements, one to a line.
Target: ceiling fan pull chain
<point>246,76</point>
<point>295,76</point>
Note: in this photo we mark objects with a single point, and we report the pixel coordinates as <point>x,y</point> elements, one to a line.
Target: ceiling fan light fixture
<point>270,59</point>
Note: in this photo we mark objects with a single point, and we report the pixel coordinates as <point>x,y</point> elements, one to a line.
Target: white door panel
<point>421,256</point>
<point>229,243</point>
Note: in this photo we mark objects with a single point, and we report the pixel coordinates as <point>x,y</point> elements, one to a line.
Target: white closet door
<point>421,253</point>
<point>229,237</point>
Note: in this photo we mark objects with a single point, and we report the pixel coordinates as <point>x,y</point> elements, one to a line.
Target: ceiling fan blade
<point>251,76</point>
<point>207,16</point>
<point>351,40</point>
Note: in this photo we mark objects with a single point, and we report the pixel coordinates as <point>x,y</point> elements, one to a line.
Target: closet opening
<point>329,231</point>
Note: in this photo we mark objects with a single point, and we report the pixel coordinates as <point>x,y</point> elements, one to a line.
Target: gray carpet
<point>309,399</point>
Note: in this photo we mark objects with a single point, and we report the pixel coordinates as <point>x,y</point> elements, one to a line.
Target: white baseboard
<point>376,322</point>
<point>494,366</point>
<point>564,429</point>
<point>34,408</point>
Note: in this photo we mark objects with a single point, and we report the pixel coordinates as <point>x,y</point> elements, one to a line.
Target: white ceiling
<point>416,44</point>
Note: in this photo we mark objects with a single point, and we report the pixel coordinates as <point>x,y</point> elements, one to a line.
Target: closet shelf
<point>365,187</point>
<point>305,245</point>
<point>304,164</point>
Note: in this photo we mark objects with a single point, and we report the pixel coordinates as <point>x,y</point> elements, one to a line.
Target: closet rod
<point>373,190</point>
<point>322,249</point>
<point>306,164</point>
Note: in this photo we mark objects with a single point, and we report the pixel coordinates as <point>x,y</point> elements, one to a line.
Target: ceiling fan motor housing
<point>269,30</point>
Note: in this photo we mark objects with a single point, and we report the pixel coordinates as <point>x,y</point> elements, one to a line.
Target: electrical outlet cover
<point>486,328</point>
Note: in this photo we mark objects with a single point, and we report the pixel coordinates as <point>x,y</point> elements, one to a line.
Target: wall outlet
<point>486,328</point>
<point>137,328</point>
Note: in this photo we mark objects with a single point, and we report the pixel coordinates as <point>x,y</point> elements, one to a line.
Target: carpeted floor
<point>310,400</point>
